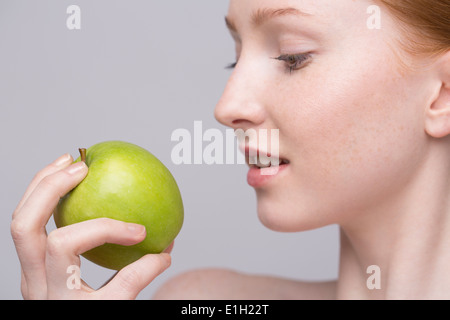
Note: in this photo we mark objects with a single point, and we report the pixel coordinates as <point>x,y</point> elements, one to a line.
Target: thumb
<point>132,279</point>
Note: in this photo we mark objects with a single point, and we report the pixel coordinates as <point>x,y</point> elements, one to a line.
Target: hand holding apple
<point>45,258</point>
<point>125,182</point>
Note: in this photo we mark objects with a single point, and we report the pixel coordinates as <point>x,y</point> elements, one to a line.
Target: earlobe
<point>437,122</point>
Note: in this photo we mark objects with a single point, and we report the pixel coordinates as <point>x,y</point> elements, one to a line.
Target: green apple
<point>124,182</point>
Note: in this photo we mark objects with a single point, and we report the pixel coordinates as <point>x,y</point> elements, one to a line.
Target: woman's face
<point>350,118</point>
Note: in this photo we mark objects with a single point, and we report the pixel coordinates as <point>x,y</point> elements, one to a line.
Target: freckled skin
<point>338,116</point>
<point>127,183</point>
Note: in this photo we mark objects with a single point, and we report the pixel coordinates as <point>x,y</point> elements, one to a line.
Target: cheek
<point>352,141</point>
<point>369,131</point>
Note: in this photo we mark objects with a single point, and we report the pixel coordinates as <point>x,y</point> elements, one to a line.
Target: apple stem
<point>83,154</point>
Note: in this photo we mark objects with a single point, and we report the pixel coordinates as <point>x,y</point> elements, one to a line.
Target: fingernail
<point>62,160</point>
<point>135,228</point>
<point>76,167</point>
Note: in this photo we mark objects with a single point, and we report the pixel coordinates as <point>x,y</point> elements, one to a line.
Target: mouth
<point>263,167</point>
<point>262,162</point>
<point>261,159</point>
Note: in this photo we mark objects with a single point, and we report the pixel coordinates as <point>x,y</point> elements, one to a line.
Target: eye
<point>231,65</point>
<point>295,61</point>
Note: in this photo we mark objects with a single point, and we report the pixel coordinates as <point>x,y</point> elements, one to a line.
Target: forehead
<point>324,10</point>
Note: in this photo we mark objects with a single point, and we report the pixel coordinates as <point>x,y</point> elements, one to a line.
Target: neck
<point>406,237</point>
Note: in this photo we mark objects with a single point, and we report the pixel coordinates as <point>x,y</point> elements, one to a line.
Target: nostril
<point>238,121</point>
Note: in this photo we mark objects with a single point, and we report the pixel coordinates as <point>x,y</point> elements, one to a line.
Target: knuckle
<point>52,184</point>
<point>105,223</point>
<point>129,279</point>
<point>48,182</point>
<point>19,230</point>
<point>56,242</point>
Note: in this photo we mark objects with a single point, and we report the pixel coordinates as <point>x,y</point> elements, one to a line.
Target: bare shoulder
<point>211,284</point>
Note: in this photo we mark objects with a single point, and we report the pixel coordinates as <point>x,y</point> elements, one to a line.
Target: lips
<point>263,167</point>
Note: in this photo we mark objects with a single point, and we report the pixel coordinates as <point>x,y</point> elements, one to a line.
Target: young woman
<point>359,92</point>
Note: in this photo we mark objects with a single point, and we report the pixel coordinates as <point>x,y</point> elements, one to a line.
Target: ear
<point>437,122</point>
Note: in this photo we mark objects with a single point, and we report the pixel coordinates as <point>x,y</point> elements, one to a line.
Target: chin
<point>281,214</point>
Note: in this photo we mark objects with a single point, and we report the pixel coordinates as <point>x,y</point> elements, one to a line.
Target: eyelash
<point>294,62</point>
<point>231,65</point>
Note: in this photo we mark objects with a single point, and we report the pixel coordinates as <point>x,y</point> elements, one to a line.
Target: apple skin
<point>125,182</point>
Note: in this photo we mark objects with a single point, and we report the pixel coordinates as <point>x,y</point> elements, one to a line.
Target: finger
<point>64,245</point>
<point>169,248</point>
<point>59,164</point>
<point>133,278</point>
<point>28,225</point>
<point>39,205</point>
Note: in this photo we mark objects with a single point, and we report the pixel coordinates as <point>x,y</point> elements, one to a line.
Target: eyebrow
<point>261,16</point>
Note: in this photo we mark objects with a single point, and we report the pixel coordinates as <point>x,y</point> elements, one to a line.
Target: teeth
<point>260,165</point>
<point>265,161</point>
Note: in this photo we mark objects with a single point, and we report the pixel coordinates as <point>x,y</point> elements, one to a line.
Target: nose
<point>241,105</point>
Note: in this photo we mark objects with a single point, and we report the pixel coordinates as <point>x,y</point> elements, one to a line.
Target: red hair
<point>426,24</point>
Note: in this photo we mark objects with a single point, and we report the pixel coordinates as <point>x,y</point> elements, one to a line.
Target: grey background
<point>136,71</point>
